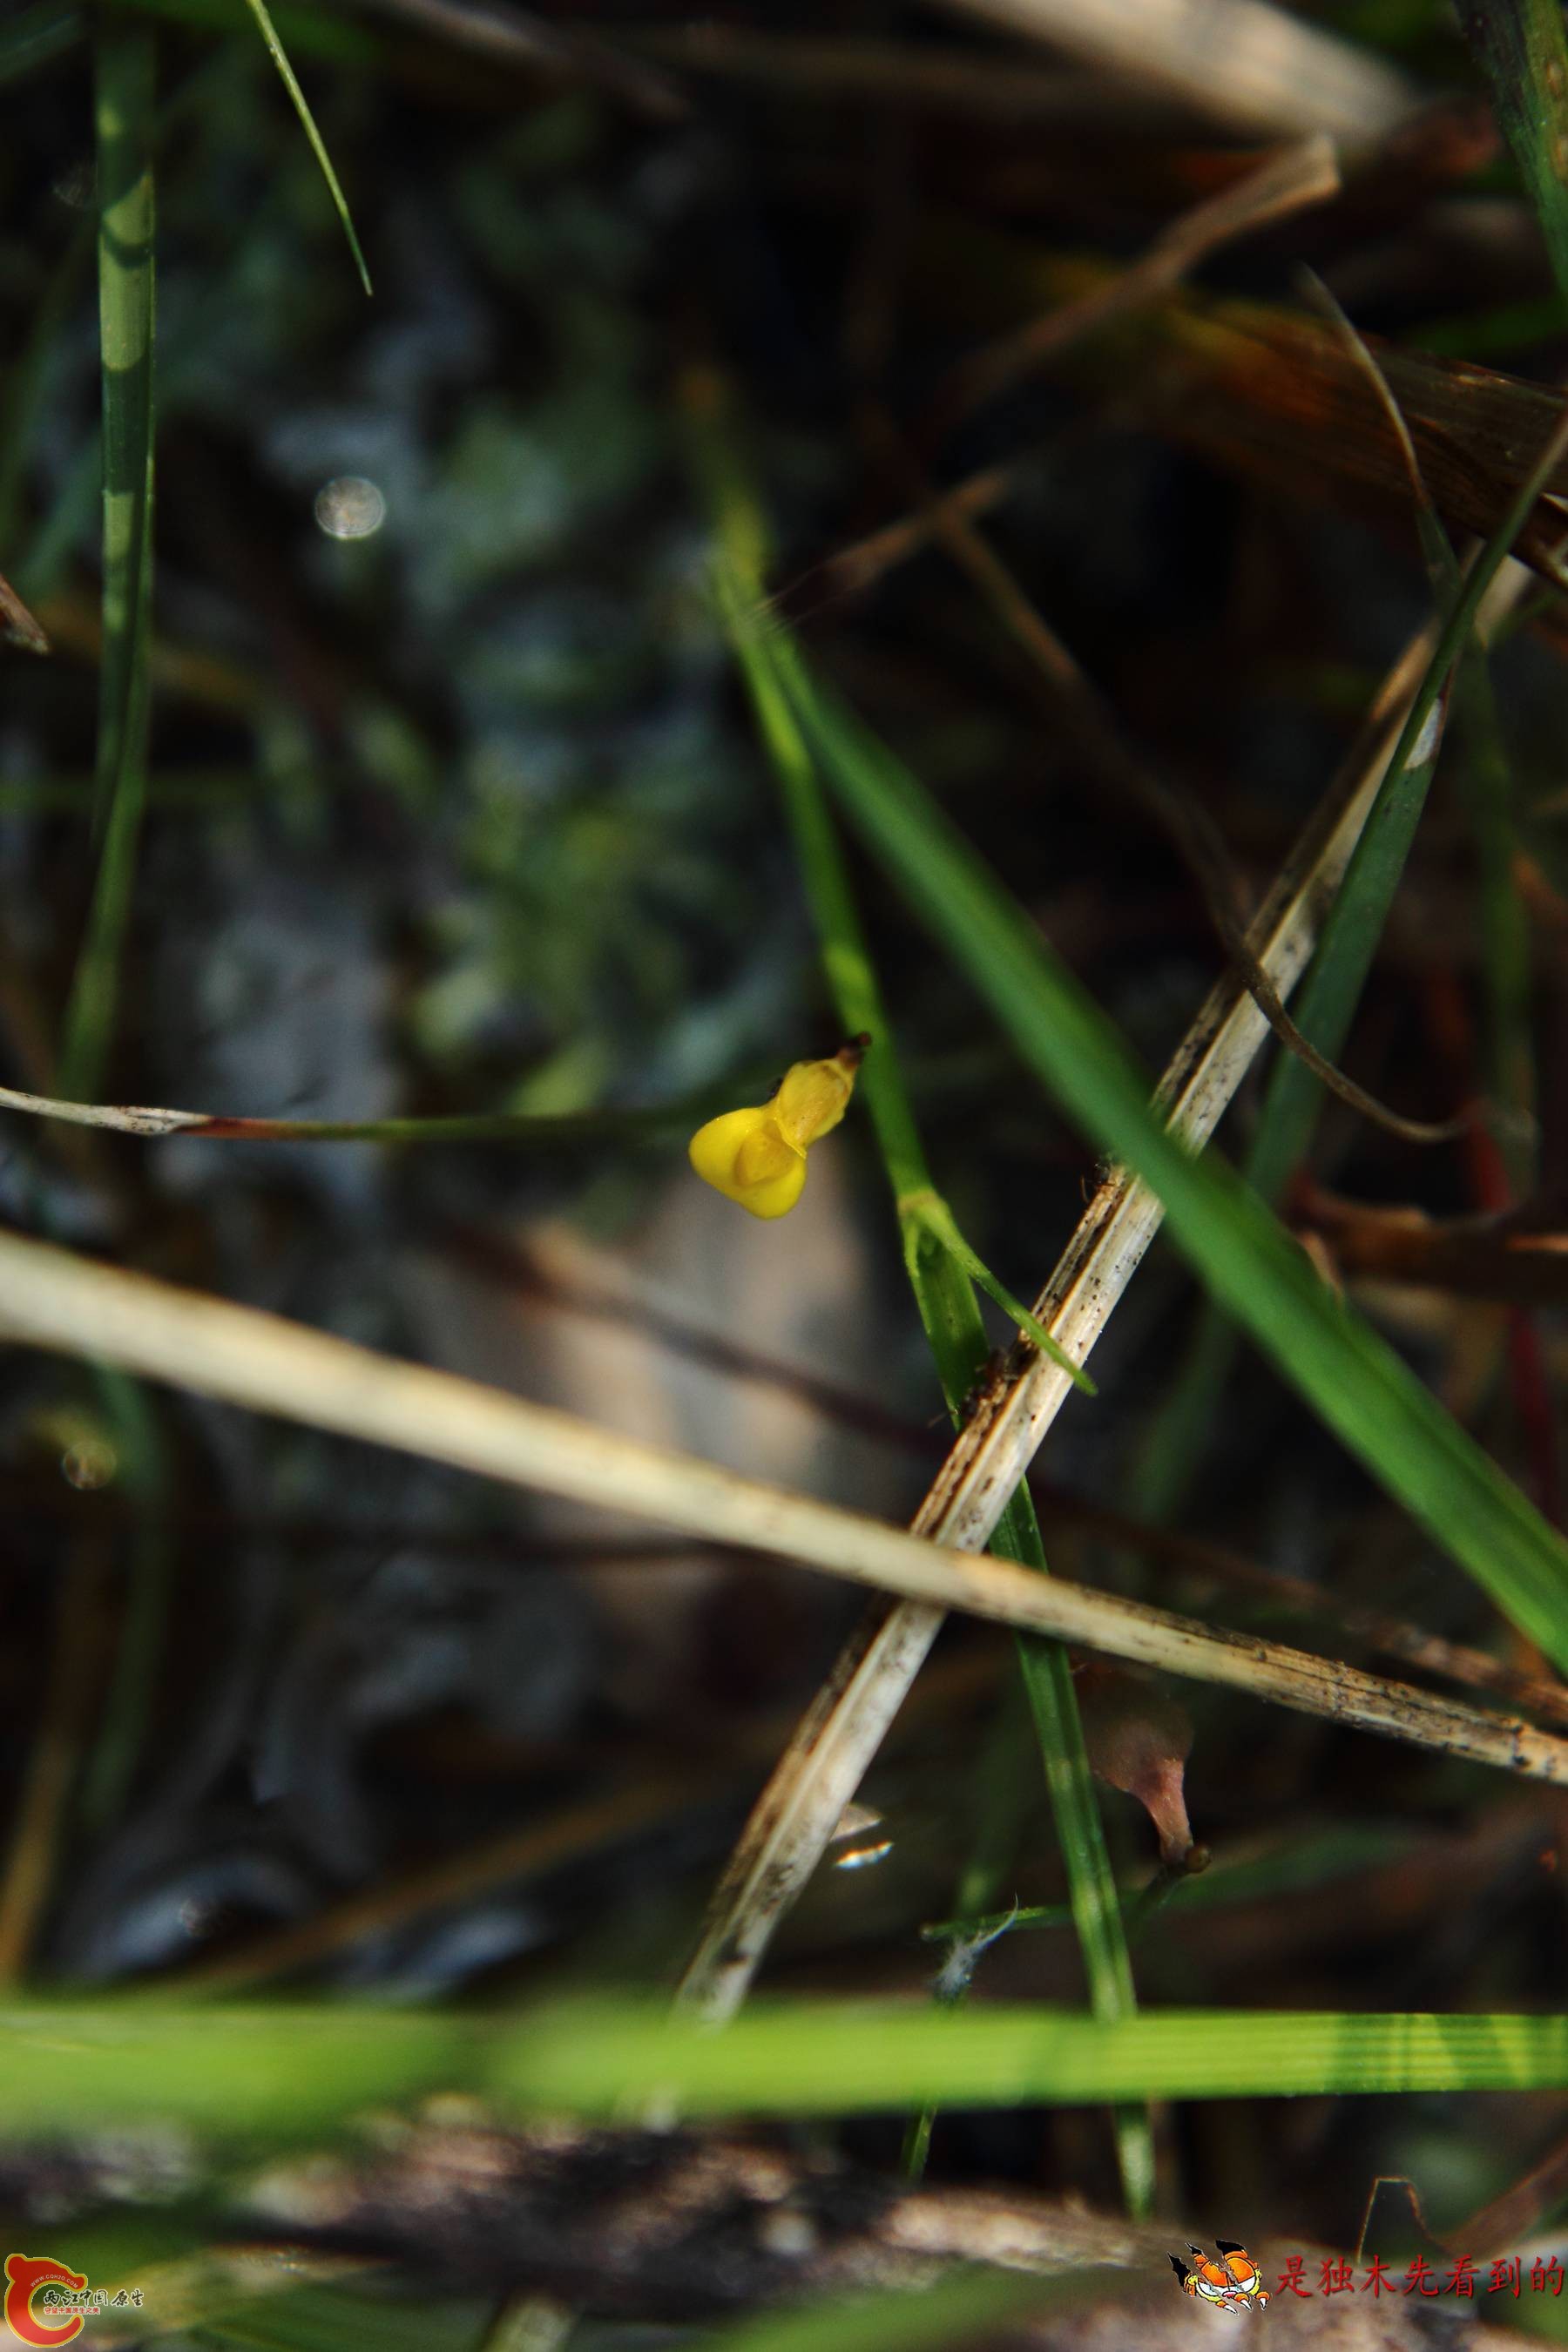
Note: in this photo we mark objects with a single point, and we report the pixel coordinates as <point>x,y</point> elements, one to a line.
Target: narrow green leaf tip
<point>308,122</point>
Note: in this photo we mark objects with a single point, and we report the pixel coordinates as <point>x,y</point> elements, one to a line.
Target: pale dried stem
<point>124,1119</point>
<point>822,1767</point>
<point>53,1299</point>
<point>1242,60</point>
<point>1282,183</point>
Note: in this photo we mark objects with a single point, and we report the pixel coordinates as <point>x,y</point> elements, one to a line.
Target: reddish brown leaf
<point>1138,1740</point>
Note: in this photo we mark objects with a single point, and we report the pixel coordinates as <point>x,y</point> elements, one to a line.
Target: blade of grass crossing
<point>290,81</point>
<point>940,1282</point>
<point>285,2068</point>
<point>871,2056</point>
<point>1522,50</point>
<point>1351,1378</point>
<point>124,111</point>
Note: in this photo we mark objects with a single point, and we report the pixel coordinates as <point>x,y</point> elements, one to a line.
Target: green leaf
<point>124,109</point>
<point>826,2058</point>
<point>1522,47</point>
<point>308,124</point>
<point>271,2070</point>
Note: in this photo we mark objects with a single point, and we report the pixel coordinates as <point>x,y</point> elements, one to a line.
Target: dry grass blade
<point>1241,59</point>
<point>521,1130</point>
<point>1394,1636</point>
<point>822,1767</point>
<point>19,624</point>
<point>122,1119</point>
<point>943,76</point>
<point>1266,393</point>
<point>1439,555</point>
<point>55,1300</point>
<point>1278,398</point>
<point>1303,175</point>
<point>1507,1259</point>
<point>501,31</point>
<point>1184,820</point>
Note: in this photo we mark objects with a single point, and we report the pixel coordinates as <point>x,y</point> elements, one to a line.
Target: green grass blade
<point>1351,1377</point>
<point>124,108</point>
<point>1522,48</point>
<point>1487,789</point>
<point>284,2069</point>
<point>309,31</point>
<point>868,2056</point>
<point>290,81</point>
<point>940,1263</point>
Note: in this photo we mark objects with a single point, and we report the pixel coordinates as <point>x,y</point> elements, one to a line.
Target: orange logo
<point>1233,2281</point>
<point>26,2275</point>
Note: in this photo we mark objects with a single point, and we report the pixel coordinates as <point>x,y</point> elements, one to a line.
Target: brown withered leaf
<point>1282,400</point>
<point>1272,393</point>
<point>1138,1740</point>
<point>17,624</point>
<point>1517,1259</point>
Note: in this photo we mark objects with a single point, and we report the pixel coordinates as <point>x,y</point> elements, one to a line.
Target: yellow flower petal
<point>743,1155</point>
<point>812,1098</point>
<point>757,1156</point>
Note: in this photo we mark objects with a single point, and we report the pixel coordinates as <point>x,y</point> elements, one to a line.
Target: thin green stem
<point>1522,49</point>
<point>940,1273</point>
<point>1485,786</point>
<point>290,81</point>
<point>124,108</point>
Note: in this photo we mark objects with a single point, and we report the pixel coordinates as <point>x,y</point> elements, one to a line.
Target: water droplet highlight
<point>351,507</point>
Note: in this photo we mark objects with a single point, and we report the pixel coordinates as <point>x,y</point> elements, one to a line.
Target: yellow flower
<point>757,1156</point>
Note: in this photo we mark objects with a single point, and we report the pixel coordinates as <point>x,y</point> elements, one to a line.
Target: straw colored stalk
<point>1242,60</point>
<point>54,1299</point>
<point>793,1818</point>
